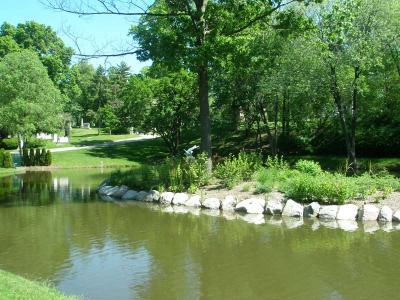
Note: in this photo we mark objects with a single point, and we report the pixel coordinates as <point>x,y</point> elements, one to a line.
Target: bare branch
<point>107,8</point>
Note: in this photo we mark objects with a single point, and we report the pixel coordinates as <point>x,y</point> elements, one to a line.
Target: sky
<point>106,33</point>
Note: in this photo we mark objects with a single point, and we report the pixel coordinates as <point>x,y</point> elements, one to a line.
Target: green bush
<point>37,157</point>
<point>49,158</point>
<point>2,157</point>
<point>236,169</point>
<point>9,143</point>
<point>276,162</point>
<point>31,157</point>
<point>174,174</point>
<point>269,179</point>
<point>42,161</point>
<point>35,143</point>
<point>7,160</point>
<point>25,157</point>
<point>308,167</point>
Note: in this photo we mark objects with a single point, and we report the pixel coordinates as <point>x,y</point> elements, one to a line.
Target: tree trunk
<point>349,134</point>
<point>276,107</point>
<point>271,139</point>
<point>205,128</point>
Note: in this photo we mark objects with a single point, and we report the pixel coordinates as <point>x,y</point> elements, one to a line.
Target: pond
<point>54,227</point>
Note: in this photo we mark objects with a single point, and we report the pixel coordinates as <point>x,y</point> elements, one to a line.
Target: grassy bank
<point>15,287</point>
<point>89,137</point>
<point>123,155</point>
<point>11,171</point>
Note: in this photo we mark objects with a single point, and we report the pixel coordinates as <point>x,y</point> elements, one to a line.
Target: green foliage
<point>48,159</point>
<point>308,167</point>
<point>2,154</point>
<point>35,143</point>
<point>25,157</point>
<point>9,143</point>
<point>31,157</point>
<point>236,169</point>
<point>276,162</point>
<point>174,174</point>
<point>37,157</point>
<point>7,160</point>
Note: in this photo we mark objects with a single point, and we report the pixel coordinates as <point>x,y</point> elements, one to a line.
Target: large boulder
<point>194,201</point>
<point>180,198</point>
<point>130,195</point>
<point>229,203</point>
<point>166,197</point>
<point>120,192</point>
<point>312,210</point>
<point>368,212</point>
<point>386,214</point>
<point>104,189</point>
<point>211,203</point>
<point>328,212</point>
<point>251,206</point>
<point>142,196</point>
<point>292,209</point>
<point>347,212</point>
<point>348,225</point>
<point>396,216</point>
<point>111,191</point>
<point>275,202</point>
<point>105,182</point>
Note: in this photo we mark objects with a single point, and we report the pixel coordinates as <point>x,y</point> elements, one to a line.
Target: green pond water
<point>54,227</point>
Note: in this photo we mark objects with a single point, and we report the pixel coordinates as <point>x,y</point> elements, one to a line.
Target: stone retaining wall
<point>274,204</point>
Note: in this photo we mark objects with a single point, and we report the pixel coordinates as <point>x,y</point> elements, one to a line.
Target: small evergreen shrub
<point>42,157</point>
<point>49,158</point>
<point>308,167</point>
<point>25,157</point>
<point>9,143</point>
<point>236,169</point>
<point>2,157</point>
<point>36,158</point>
<point>7,160</point>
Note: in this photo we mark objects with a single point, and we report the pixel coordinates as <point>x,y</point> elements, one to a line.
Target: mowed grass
<point>89,137</point>
<point>13,287</point>
<point>11,171</point>
<point>123,155</point>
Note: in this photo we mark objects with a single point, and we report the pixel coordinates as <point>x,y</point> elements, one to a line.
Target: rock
<point>111,191</point>
<point>166,197</point>
<point>229,215</point>
<point>142,196</point>
<point>229,203</point>
<point>312,209</point>
<point>251,206</point>
<point>211,203</point>
<point>348,225</point>
<point>120,192</point>
<point>103,190</point>
<point>130,195</point>
<point>194,201</point>
<point>274,207</point>
<point>328,212</point>
<point>292,209</point>
<point>368,212</point>
<point>347,212</point>
<point>180,198</point>
<point>276,196</point>
<point>105,182</point>
<point>315,225</point>
<point>386,214</point>
<point>155,195</point>
<point>387,226</point>
<point>396,216</point>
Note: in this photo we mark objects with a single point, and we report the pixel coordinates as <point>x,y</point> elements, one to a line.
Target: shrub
<point>36,158</point>
<point>31,157</point>
<point>236,169</point>
<point>276,162</point>
<point>42,161</point>
<point>49,158</point>
<point>9,143</point>
<point>325,188</point>
<point>308,167</point>
<point>25,157</point>
<point>35,143</point>
<point>269,179</point>
<point>2,158</point>
<point>7,160</point>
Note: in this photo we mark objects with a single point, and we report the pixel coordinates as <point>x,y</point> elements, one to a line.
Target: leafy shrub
<point>25,157</point>
<point>236,169</point>
<point>269,179</point>
<point>37,157</point>
<point>42,161</point>
<point>9,143</point>
<point>35,143</point>
<point>31,157</point>
<point>276,162</point>
<point>175,174</point>
<point>1,157</point>
<point>7,160</point>
<point>48,159</point>
<point>308,167</point>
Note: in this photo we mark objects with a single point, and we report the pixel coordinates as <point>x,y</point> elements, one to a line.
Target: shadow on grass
<point>147,151</point>
<point>90,143</point>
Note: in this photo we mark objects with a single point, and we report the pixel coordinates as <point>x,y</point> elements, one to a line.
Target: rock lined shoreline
<point>272,204</point>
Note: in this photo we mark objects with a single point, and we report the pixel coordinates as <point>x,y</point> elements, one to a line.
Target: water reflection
<point>131,250</point>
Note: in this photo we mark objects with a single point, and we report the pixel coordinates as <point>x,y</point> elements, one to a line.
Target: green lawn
<point>13,287</point>
<point>123,155</point>
<point>88,137</point>
<point>6,172</point>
